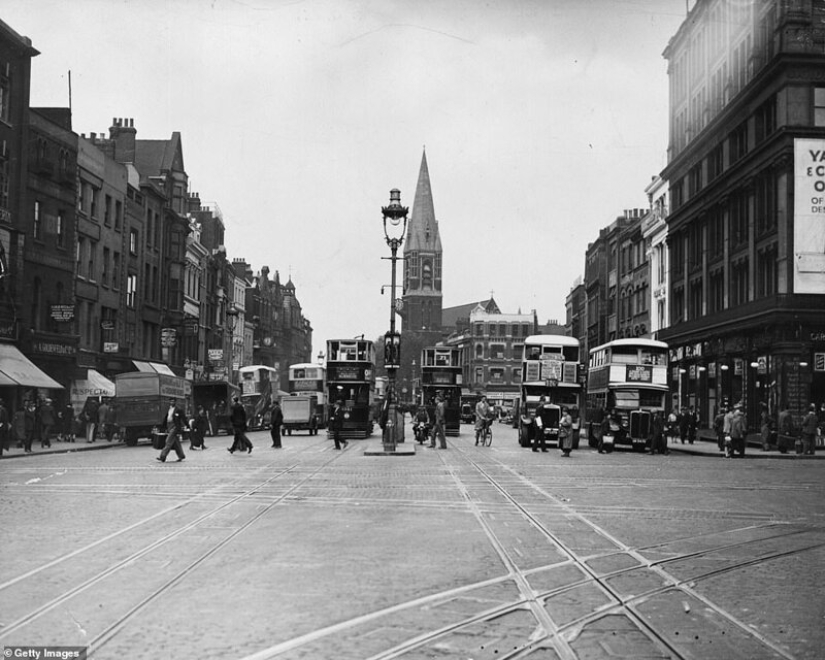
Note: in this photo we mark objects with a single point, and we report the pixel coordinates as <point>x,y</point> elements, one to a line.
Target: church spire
<point>422,232</point>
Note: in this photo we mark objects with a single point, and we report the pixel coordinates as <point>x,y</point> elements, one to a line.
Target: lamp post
<point>395,226</point>
<point>231,323</point>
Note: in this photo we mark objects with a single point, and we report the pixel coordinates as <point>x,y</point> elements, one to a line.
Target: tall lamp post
<point>231,323</point>
<point>395,226</point>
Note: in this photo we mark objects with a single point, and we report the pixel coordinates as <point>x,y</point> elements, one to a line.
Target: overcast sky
<point>542,121</point>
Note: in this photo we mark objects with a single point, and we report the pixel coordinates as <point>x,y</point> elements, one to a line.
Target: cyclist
<point>482,414</point>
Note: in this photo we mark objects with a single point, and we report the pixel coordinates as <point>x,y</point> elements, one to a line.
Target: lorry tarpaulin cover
<point>16,367</point>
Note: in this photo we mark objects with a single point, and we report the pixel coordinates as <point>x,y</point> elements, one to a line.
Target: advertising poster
<point>809,216</point>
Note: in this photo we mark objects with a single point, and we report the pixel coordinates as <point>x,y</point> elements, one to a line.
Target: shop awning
<point>153,367</point>
<point>95,384</point>
<point>19,370</point>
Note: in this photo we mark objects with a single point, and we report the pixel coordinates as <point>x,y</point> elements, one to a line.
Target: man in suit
<point>174,422</point>
<point>237,418</point>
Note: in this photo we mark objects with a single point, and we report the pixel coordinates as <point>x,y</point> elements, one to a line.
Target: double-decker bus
<point>550,369</point>
<point>258,383</point>
<point>351,379</point>
<point>306,405</point>
<point>441,372</point>
<point>628,376</point>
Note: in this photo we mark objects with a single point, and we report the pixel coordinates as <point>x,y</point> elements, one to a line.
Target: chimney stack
<point>122,133</point>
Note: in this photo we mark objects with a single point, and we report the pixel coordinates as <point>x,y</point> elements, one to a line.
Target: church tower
<point>422,261</point>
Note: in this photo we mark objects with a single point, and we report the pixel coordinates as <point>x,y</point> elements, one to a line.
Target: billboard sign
<point>809,215</point>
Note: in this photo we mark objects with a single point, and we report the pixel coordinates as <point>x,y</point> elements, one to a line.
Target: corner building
<point>746,240</point>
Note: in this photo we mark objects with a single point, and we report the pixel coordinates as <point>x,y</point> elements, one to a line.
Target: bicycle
<point>485,434</point>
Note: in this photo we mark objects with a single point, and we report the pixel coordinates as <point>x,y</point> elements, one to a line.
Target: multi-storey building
<point>634,280</point>
<point>48,222</point>
<point>575,305</point>
<point>654,232</point>
<point>16,53</point>
<point>745,230</point>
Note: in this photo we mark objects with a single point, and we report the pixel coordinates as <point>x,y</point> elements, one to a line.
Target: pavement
<point>704,446</point>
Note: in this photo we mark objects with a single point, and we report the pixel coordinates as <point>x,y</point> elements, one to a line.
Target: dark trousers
<point>240,442</point>
<point>275,432</point>
<point>539,441</point>
<point>172,442</point>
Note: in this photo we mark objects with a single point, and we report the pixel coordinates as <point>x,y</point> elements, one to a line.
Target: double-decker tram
<point>549,369</point>
<point>351,379</point>
<point>258,383</point>
<point>629,378</point>
<point>441,372</point>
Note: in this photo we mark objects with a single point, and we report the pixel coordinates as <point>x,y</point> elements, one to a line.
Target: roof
<point>153,157</point>
<point>422,232</point>
<point>451,315</point>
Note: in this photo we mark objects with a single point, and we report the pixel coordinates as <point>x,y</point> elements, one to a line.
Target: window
<point>146,282</point>
<point>695,179</point>
<point>497,351</point>
<point>767,272</point>
<point>716,162</point>
<point>497,375</point>
<point>131,289</point>
<point>739,219</point>
<point>479,351</point>
<point>5,98</point>
<point>716,292</point>
<point>118,214</point>
<point>516,377</point>
<point>107,211</point>
<point>479,377</point>
<point>695,301</point>
<point>37,227</point>
<point>716,233</point>
<point>91,270</point>
<point>739,283</point>
<point>765,202</point>
<point>4,184</point>
<point>738,142</point>
<point>479,329</point>
<point>518,350</point>
<point>765,116</point>
<point>149,232</point>
<point>78,255</point>
<point>60,229</point>
<point>133,241</point>
<point>116,270</point>
<point>94,193</point>
<point>819,106</point>
<point>104,270</point>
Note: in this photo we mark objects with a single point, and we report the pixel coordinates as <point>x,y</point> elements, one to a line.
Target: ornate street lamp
<point>395,226</point>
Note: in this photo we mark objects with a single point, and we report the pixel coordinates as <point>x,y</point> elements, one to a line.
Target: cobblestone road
<point>470,553</point>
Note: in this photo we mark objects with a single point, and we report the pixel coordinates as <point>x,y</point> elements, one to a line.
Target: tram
<point>628,376</point>
<point>550,369</point>
<point>351,379</point>
<point>258,383</point>
<point>441,372</point>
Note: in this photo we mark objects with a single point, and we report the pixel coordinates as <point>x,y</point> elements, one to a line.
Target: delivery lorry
<point>143,399</point>
<point>300,413</point>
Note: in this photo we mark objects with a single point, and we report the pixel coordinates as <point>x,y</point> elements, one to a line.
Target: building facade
<point>745,230</point>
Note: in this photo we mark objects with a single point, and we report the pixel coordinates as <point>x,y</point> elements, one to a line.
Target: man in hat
<point>337,423</point>
<point>438,424</point>
<point>173,423</point>
<point>810,423</point>
<point>738,433</point>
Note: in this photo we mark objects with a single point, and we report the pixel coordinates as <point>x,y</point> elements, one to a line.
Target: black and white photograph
<point>412,329</point>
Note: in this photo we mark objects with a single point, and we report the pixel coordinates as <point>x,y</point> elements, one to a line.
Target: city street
<point>468,553</point>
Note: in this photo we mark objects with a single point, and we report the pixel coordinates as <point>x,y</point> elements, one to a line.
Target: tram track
<point>246,494</point>
<point>624,605</point>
